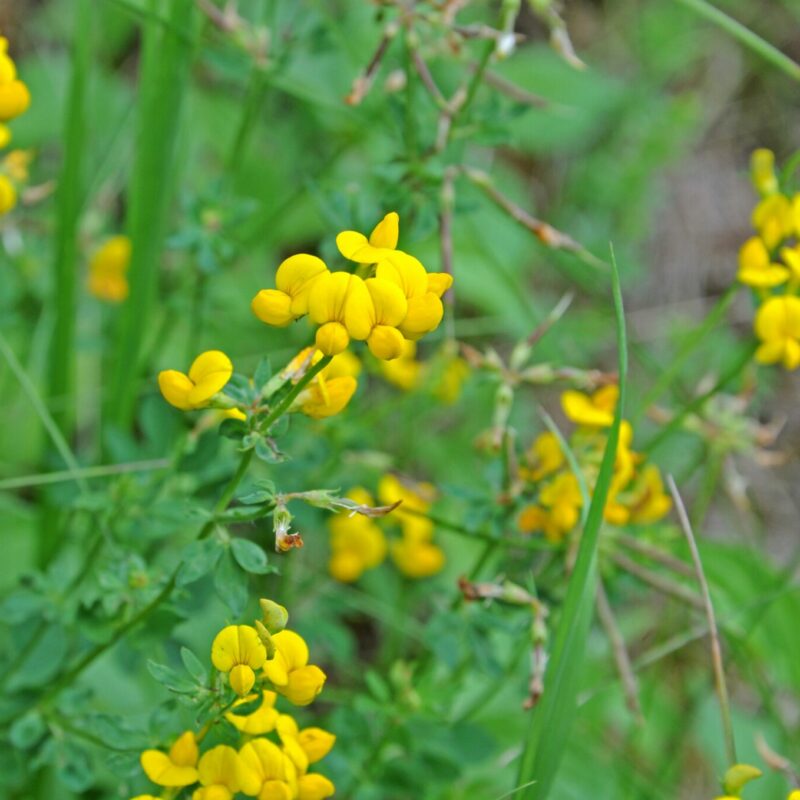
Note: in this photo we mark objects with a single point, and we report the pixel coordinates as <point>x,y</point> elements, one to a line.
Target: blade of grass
<point>163,80</point>
<point>69,200</point>
<point>552,718</point>
<point>768,52</point>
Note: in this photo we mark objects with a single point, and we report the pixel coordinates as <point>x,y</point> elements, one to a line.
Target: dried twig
<point>363,83</point>
<point>716,648</point>
<point>629,683</point>
<point>659,582</point>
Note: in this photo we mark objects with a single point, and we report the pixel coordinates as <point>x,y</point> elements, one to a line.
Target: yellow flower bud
<point>275,616</point>
<point>738,776</point>
<point>273,307</point>
<point>316,742</point>
<point>596,411</point>
<point>755,268</point>
<point>304,685</point>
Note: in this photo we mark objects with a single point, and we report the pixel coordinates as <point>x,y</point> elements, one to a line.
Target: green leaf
<point>552,719</point>
<point>27,730</point>
<point>169,678</point>
<point>250,557</point>
<point>264,493</point>
<point>194,666</point>
<point>233,429</point>
<point>262,374</point>
<point>73,767</point>
<point>231,584</point>
<point>199,558</point>
<point>243,709</point>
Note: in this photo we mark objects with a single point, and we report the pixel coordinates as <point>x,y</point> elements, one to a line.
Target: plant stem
<point>768,52</point>
<point>716,649</point>
<point>287,401</point>
<point>163,79</point>
<point>69,199</point>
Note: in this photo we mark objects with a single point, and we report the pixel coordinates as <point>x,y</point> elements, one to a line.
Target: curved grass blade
<point>552,719</point>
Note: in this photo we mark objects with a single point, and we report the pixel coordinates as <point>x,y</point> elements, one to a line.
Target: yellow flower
<point>290,673</point>
<point>209,374</point>
<point>404,371</point>
<point>331,295</point>
<point>650,502</point>
<point>422,291</point>
<point>289,301</point>
<point>595,411</point>
<point>417,559</point>
<point>794,795</point>
<point>777,324</point>
<point>238,650</point>
<point>755,267</point>
<point>108,268</point>
<point>562,500</point>
<point>262,720</point>
<point>357,543</point>
<point>5,136</point>
<point>374,317</point>
<point>8,195</point>
<point>544,457</point>
<point>16,164</point>
<point>773,219</point>
<point>218,771</point>
<point>382,241</point>
<point>176,768</point>
<point>304,748</point>
<point>762,171</point>
<point>331,389</point>
<point>415,502</point>
<point>266,772</point>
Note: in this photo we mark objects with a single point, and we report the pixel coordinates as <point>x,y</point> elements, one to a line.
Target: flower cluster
<point>274,754</point>
<point>14,101</point>
<point>358,543</point>
<point>108,270</point>
<point>392,301</point>
<point>769,262</point>
<point>636,494</point>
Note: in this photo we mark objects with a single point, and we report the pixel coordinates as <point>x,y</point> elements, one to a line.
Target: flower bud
<point>276,617</point>
<point>739,775</point>
<point>266,639</point>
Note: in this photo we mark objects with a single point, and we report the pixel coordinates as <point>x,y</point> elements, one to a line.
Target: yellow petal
<point>791,354</point>
<point>773,275</point>
<point>439,282</point>
<point>220,765</point>
<point>346,566</point>
<point>386,343</point>
<point>242,678</point>
<point>338,392</point>
<point>14,100</point>
<point>386,233</point>
<point>314,787</point>
<point>8,195</point>
<point>273,307</point>
<point>417,560</point>
<point>579,408</point>
<point>296,275</point>
<point>425,312</point>
<point>262,720</point>
<point>332,338</point>
<point>352,242</point>
<point>770,352</point>
<point>214,792</point>
<point>292,647</point>
<point>791,257</point>
<point>184,751</point>
<point>390,304</point>
<point>762,171</point>
<point>295,753</point>
<point>316,742</point>
<point>176,388</point>
<point>304,684</point>
<point>237,644</point>
<point>404,270</point>
<point>162,771</point>
<point>209,372</point>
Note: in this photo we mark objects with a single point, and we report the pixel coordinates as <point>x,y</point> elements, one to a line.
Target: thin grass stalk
<point>743,34</point>
<point>69,201</point>
<point>552,718</point>
<point>163,80</point>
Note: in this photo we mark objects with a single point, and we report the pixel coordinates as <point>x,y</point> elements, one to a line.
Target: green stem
<point>69,199</point>
<point>253,103</point>
<point>287,401</point>
<point>163,80</point>
<point>768,52</point>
